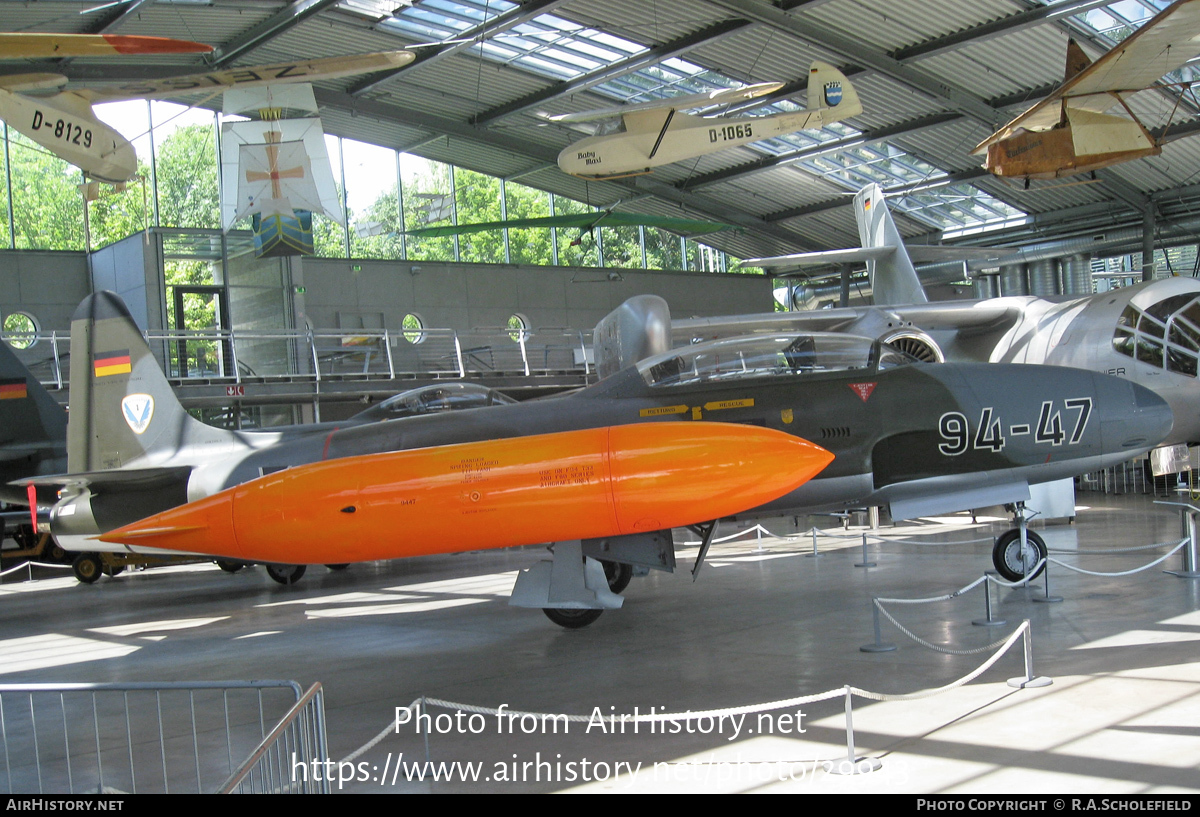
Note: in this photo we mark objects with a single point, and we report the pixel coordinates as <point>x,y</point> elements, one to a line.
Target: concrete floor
<point>763,623</point>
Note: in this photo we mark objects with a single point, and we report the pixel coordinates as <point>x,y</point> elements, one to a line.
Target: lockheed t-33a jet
<point>679,439</point>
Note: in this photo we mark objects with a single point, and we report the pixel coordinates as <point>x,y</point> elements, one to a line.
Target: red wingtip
<point>135,44</point>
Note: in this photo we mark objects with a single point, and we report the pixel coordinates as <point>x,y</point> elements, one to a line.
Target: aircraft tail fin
<point>123,410</point>
<point>893,278</point>
<point>28,414</point>
<point>1076,60</point>
<point>829,88</point>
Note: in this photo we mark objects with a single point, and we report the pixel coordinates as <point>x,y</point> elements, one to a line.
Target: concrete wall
<point>130,268</point>
<point>469,296</point>
<point>47,285</point>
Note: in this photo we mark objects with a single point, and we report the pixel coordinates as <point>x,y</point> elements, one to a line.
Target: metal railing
<point>142,737</point>
<point>236,356</point>
<point>293,759</point>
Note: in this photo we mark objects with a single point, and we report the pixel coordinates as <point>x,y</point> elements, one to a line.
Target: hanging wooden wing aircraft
<point>1071,131</point>
<point>638,138</point>
<point>581,221</point>
<point>64,123</point>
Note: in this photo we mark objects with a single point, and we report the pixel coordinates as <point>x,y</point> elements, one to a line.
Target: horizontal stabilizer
<point>821,259</point>
<point>142,478</point>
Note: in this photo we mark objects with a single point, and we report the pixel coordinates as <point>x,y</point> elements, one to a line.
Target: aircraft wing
<point>921,253</point>
<point>1157,48</point>
<point>975,317</point>
<point>216,81</point>
<point>582,221</point>
<point>29,45</point>
<point>723,96</point>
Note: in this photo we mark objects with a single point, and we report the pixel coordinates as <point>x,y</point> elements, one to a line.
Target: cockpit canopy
<point>770,356</point>
<point>432,399</point>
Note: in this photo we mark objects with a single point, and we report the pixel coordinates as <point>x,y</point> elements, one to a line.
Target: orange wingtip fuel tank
<point>491,494</point>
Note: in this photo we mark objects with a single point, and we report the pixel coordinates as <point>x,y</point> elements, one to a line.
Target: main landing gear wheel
<point>230,566</point>
<point>571,619</point>
<point>618,574</point>
<point>87,568</point>
<point>114,570</point>
<point>1006,555</point>
<point>286,574</point>
<point>338,567</point>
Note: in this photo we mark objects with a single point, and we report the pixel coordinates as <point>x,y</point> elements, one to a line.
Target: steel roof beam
<point>653,55</point>
<point>995,28</point>
<point>468,39</point>
<point>268,29</point>
<point>107,22</point>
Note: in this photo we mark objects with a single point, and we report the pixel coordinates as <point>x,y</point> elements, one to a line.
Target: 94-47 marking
<point>989,433</point>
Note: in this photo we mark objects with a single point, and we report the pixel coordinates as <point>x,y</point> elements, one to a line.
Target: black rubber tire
<point>87,568</point>
<point>618,574</point>
<point>114,570</point>
<point>338,567</point>
<point>286,574</point>
<point>571,619</point>
<point>1006,555</point>
<point>229,565</point>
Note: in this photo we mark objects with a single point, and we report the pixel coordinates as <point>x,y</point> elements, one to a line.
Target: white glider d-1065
<point>64,123</point>
<point>1070,131</point>
<point>650,134</point>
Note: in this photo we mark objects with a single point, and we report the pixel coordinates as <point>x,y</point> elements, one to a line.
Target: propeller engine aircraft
<point>1070,131</point>
<point>64,123</point>
<point>605,472</point>
<point>651,134</point>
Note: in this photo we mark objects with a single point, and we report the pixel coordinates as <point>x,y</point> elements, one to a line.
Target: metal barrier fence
<point>293,758</point>
<point>325,353</point>
<point>141,737</point>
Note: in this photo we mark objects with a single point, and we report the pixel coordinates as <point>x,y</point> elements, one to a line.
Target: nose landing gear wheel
<point>571,619</point>
<point>618,574</point>
<point>1006,555</point>
<point>286,574</point>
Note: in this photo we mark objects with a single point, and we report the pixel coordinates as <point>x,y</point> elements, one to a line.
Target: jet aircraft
<point>1148,333</point>
<point>64,123</point>
<point>977,435</point>
<point>637,138</point>
<point>1069,131</point>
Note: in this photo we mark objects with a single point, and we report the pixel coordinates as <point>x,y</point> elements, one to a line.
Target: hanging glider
<point>651,134</point>
<point>65,124</point>
<point>1071,131</point>
<point>582,221</point>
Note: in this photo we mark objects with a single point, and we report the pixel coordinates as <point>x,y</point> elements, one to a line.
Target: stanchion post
<point>1029,680</point>
<point>987,620</point>
<point>1047,598</point>
<point>424,709</point>
<point>1189,552</point>
<point>814,554</point>
<point>852,764</point>
<point>865,560</point>
<point>878,646</point>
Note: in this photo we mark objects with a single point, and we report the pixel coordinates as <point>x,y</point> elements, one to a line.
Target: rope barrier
<point>713,714</point>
